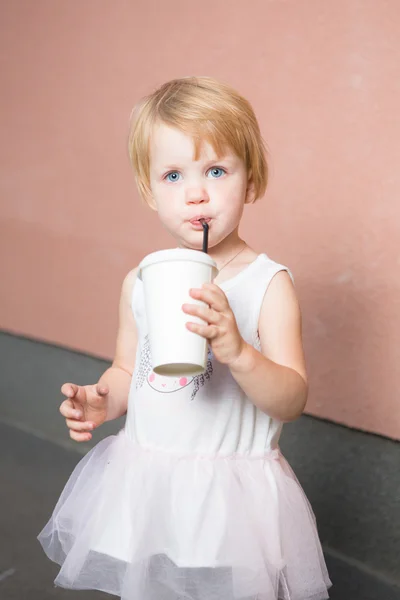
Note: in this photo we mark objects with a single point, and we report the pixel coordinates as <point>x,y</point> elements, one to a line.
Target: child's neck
<point>227,248</point>
<point>226,255</point>
<point>231,256</point>
<point>226,252</point>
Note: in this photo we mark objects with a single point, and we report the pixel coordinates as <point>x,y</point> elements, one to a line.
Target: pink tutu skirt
<point>146,524</point>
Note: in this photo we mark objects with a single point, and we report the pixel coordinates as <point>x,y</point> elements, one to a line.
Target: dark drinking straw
<point>205,235</point>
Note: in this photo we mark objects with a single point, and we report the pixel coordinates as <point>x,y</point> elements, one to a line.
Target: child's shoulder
<point>129,282</point>
<point>268,259</point>
<point>272,282</point>
<point>278,270</point>
<point>280,293</point>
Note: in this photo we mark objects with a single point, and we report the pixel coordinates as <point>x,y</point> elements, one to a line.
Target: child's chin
<point>192,243</point>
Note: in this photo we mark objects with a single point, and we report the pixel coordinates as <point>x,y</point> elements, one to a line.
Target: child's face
<point>184,190</point>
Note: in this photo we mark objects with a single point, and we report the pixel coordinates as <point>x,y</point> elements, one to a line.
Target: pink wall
<point>324,79</point>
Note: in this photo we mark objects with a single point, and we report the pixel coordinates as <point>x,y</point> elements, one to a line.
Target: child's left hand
<point>221,330</point>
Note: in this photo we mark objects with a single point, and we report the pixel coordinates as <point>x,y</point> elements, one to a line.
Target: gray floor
<point>33,472</point>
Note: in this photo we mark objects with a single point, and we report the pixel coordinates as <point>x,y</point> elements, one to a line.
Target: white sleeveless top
<point>208,414</point>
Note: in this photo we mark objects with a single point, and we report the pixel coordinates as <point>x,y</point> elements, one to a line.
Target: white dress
<point>193,499</point>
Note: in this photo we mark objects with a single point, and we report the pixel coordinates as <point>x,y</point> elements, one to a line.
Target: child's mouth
<point>196,223</point>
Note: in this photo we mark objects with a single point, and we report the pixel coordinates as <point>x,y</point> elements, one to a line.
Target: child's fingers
<point>80,437</point>
<point>68,410</point>
<point>207,314</point>
<point>209,332</point>
<point>79,426</point>
<point>75,392</point>
<point>210,296</point>
<point>69,389</point>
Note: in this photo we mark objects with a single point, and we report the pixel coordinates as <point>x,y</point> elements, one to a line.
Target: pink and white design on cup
<point>169,385</point>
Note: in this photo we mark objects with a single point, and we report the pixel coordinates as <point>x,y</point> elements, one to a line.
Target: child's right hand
<point>84,409</point>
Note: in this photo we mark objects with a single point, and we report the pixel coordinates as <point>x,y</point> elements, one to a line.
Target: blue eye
<point>173,176</point>
<point>216,172</point>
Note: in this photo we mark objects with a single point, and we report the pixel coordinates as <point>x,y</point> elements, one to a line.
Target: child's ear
<point>250,192</point>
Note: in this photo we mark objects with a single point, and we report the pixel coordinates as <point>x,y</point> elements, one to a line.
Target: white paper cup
<point>167,276</point>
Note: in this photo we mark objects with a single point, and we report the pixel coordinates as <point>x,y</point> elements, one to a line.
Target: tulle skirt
<point>146,524</point>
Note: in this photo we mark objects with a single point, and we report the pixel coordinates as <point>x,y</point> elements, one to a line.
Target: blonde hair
<point>208,111</point>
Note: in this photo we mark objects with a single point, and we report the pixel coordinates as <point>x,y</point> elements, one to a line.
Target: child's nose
<point>196,195</point>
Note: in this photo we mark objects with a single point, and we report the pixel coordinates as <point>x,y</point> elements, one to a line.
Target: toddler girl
<point>193,500</point>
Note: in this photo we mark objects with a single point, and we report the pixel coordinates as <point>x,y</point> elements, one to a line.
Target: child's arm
<point>118,377</point>
<point>274,379</point>
<point>87,407</point>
